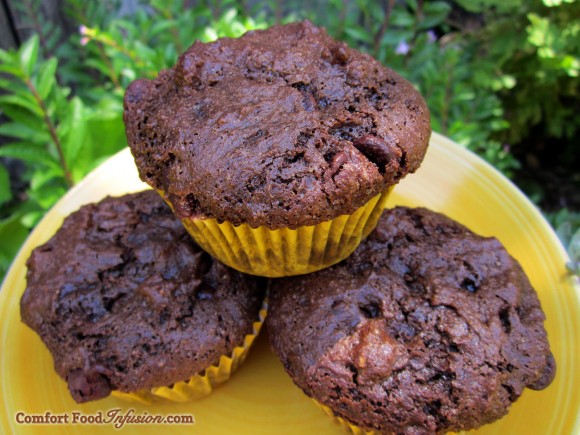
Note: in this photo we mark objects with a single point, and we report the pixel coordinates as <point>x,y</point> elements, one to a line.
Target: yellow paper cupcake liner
<point>284,252</point>
<point>202,384</point>
<point>344,424</point>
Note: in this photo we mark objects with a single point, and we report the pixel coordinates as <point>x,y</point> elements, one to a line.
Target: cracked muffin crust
<point>283,127</point>
<point>125,300</point>
<point>426,328</point>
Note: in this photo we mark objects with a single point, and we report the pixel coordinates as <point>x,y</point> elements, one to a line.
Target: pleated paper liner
<point>348,427</point>
<point>344,424</point>
<point>202,384</point>
<point>284,252</point>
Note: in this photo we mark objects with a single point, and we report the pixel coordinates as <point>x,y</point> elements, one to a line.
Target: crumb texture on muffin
<point>125,300</point>
<point>426,328</point>
<point>281,127</point>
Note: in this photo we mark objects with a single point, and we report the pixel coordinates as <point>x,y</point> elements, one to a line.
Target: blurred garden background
<point>500,78</point>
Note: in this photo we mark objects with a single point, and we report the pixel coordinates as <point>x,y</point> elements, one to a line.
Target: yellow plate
<point>260,398</point>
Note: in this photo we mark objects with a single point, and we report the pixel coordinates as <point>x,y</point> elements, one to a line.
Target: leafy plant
<point>58,137</point>
<point>567,225</point>
<point>151,40</point>
<point>530,58</point>
<point>445,69</point>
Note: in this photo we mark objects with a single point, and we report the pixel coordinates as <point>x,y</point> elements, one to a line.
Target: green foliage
<point>478,6</point>
<point>536,45</point>
<point>58,137</point>
<point>49,33</point>
<point>449,71</point>
<point>567,225</point>
<point>120,49</point>
<point>50,127</point>
<point>12,233</point>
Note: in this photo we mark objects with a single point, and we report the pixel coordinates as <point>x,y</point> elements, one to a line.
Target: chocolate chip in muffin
<point>125,300</point>
<point>283,127</point>
<point>426,328</point>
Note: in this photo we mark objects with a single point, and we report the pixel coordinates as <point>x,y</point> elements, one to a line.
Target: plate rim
<point>450,147</point>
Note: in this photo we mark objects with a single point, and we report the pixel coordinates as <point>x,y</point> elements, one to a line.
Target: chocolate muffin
<point>426,328</point>
<point>280,129</point>
<point>283,127</point>
<point>125,300</point>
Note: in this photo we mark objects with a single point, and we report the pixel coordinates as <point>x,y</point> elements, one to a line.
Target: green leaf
<point>99,65</point>
<point>22,131</point>
<point>162,26</point>
<point>12,233</point>
<point>394,37</point>
<point>29,220</point>
<point>22,100</point>
<point>129,73</point>
<point>6,84</point>
<point>46,77</point>
<point>230,15</point>
<point>143,51</point>
<point>402,18</point>
<point>574,247</point>
<point>75,123</point>
<point>209,34</point>
<point>571,65</point>
<point>107,118</point>
<point>555,3</point>
<point>6,56</point>
<point>107,108</point>
<point>97,146</point>
<point>5,193</point>
<point>435,14</point>
<point>28,153</point>
<point>41,178</point>
<point>23,116</point>
<point>412,4</point>
<point>359,34</point>
<point>12,70</point>
<point>477,6</point>
<point>47,187</point>
<point>537,30</point>
<point>28,55</point>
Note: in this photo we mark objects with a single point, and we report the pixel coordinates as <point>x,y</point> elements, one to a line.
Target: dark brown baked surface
<point>124,299</point>
<point>426,328</point>
<point>281,127</point>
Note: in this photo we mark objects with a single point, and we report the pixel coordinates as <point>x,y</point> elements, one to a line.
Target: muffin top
<point>281,127</point>
<point>426,328</point>
<point>125,300</point>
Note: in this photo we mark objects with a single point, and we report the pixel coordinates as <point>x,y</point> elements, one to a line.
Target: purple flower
<point>431,36</point>
<point>403,48</point>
